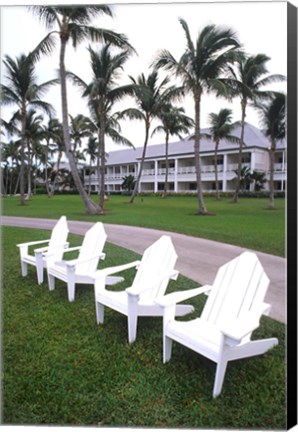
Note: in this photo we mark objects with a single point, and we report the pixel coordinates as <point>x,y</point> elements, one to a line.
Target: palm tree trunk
<point>202,210</point>
<point>271,178</point>
<point>102,158</point>
<point>238,181</point>
<point>46,179</point>
<point>29,174</point>
<point>216,170</point>
<point>135,190</point>
<point>90,206</point>
<point>22,154</point>
<point>89,185</point>
<point>165,192</point>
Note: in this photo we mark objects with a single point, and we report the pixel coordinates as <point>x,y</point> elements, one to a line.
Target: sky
<point>261,27</point>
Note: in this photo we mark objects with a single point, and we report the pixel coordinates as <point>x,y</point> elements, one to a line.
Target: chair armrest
<point>75,248</point>
<point>32,243</point>
<point>41,250</point>
<point>237,329</point>
<point>75,262</point>
<point>112,270</point>
<point>179,296</point>
<point>137,291</point>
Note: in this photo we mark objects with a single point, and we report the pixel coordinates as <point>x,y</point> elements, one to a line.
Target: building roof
<point>253,137</point>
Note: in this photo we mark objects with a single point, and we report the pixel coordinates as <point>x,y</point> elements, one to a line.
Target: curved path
<point>198,258</point>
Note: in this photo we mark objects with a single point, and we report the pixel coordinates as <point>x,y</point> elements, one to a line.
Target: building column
<point>155,176</point>
<point>176,176</point>
<point>224,173</point>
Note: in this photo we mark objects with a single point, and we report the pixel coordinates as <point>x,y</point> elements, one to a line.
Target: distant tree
<point>102,93</point>
<point>151,97</point>
<point>221,127</point>
<point>23,91</point>
<point>128,183</point>
<point>74,23</point>
<point>199,68</point>
<point>273,119</point>
<point>246,80</point>
<point>174,122</point>
<point>259,179</point>
<point>245,177</point>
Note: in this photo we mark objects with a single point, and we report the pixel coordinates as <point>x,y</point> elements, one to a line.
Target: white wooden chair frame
<point>231,313</point>
<point>153,274</point>
<point>54,247</point>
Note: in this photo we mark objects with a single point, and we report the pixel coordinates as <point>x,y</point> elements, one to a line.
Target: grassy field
<point>60,368</point>
<point>248,224</point>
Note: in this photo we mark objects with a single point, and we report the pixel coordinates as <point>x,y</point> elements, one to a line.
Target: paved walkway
<point>198,258</point>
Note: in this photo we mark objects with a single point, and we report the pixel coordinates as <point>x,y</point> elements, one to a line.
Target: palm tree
<point>51,133</point>
<point>221,128</point>
<point>199,67</point>
<point>151,97</point>
<point>174,122</point>
<point>246,81</point>
<point>34,134</point>
<point>73,23</point>
<point>80,127</point>
<point>128,183</point>
<point>92,151</point>
<point>23,91</point>
<point>273,120</point>
<point>102,93</point>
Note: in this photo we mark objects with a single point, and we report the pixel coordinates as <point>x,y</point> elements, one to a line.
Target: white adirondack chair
<point>154,272</point>
<point>54,247</point>
<point>231,313</point>
<point>80,270</point>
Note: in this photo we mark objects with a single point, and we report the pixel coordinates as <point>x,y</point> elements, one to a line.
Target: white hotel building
<point>182,177</point>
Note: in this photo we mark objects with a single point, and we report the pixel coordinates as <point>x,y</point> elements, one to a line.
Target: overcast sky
<point>260,26</point>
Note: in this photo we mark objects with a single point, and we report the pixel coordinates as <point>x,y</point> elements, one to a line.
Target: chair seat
<point>198,335</point>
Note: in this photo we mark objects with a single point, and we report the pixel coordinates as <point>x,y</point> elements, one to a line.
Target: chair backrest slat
<point>58,238</point>
<point>92,246</point>
<point>239,286</point>
<point>158,260</point>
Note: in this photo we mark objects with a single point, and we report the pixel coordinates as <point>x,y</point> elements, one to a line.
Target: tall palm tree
<point>246,81</point>
<point>273,120</point>
<point>199,67</point>
<point>151,97</point>
<point>92,151</point>
<point>221,127</point>
<point>174,122</point>
<point>102,93</point>
<point>34,134</point>
<point>23,91</point>
<point>73,23</point>
<point>51,133</point>
<point>80,127</point>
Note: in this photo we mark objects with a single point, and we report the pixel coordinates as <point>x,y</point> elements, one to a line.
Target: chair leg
<point>51,282</point>
<point>167,349</point>
<point>100,312</point>
<point>219,377</point>
<point>24,268</point>
<point>71,291</point>
<point>39,268</point>
<point>132,317</point>
<point>132,322</point>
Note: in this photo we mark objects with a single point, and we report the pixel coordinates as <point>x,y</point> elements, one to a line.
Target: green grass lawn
<point>248,224</point>
<point>60,368</point>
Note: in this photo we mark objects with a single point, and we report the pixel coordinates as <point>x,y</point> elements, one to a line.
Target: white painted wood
<point>152,277</point>
<point>54,248</point>
<point>231,313</point>
<point>81,269</point>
